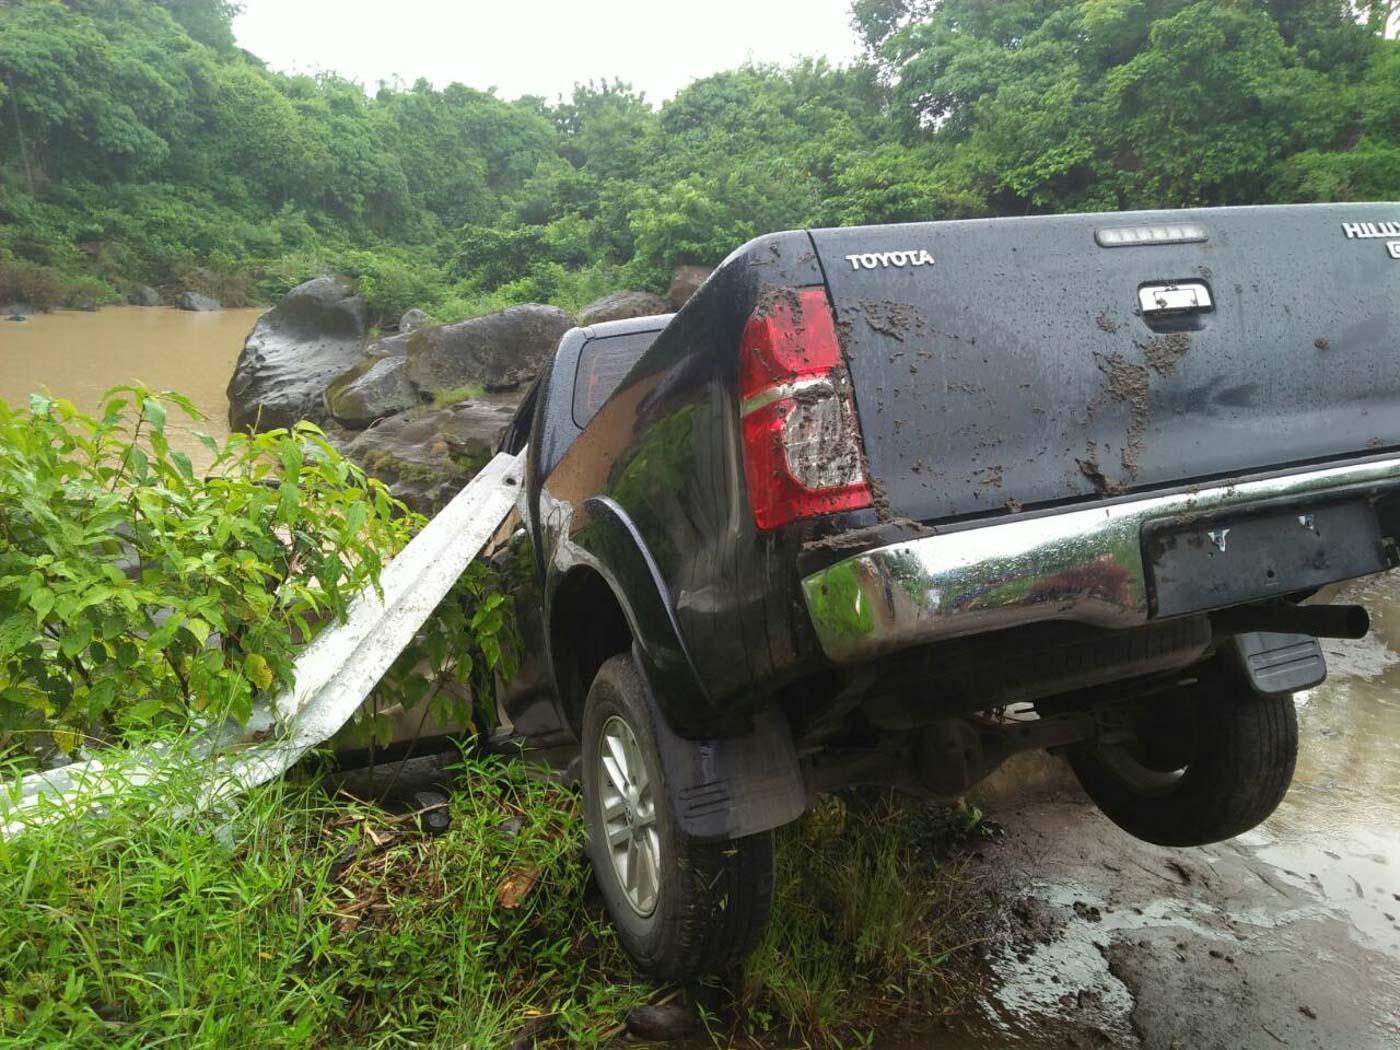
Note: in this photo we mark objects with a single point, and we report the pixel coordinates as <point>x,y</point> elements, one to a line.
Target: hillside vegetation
<point>138,143</point>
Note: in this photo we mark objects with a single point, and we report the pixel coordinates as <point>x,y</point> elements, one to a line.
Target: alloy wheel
<point>629,816</point>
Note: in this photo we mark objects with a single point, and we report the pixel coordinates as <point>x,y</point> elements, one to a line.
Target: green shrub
<point>219,279</point>
<point>136,590</point>
<point>280,275</point>
<point>26,282</point>
<point>466,304</point>
<point>391,286</point>
<point>88,291</point>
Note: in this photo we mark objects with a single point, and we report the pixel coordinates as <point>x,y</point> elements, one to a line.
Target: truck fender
<point>726,788</point>
<point>606,541</point>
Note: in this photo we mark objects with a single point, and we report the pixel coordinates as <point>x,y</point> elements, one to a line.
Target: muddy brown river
<point>79,355</point>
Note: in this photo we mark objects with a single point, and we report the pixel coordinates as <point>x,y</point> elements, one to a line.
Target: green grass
<point>302,921</point>
<point>874,922</point>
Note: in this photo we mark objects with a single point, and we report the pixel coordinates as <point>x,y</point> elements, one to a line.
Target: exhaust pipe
<point>1319,621</point>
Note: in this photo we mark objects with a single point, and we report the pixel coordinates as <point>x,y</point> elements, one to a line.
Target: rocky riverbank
<point>421,407</point>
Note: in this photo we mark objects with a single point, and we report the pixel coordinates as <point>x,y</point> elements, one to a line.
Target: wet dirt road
<point>1286,937</point>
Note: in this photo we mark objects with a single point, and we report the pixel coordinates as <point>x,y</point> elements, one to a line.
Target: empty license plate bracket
<point>1195,565</point>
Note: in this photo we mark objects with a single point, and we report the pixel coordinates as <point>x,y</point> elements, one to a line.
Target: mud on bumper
<point>1114,565</point>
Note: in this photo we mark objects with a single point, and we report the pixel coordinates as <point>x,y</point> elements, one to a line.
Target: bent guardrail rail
<point>334,674</point>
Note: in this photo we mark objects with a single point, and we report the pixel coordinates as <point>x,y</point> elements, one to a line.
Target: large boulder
<point>427,456</point>
<point>143,295</point>
<point>374,388</point>
<point>685,281</point>
<point>498,352</point>
<point>197,303</point>
<point>412,320</point>
<point>293,353</point>
<point>621,305</point>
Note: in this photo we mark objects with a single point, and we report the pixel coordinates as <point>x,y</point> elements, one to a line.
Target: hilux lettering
<point>874,260</point>
<point>1368,230</point>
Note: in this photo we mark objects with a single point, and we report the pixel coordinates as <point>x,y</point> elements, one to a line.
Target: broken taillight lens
<point>802,451</point>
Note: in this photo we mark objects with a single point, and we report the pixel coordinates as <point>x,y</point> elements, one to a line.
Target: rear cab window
<point>602,365</point>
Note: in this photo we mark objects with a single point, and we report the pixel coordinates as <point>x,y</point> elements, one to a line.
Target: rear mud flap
<point>1276,664</point>
<point>729,787</point>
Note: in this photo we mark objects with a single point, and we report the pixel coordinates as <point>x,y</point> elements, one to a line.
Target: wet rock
<point>197,303</point>
<point>87,306</point>
<point>374,388</point>
<point>511,827</point>
<point>412,320</point>
<point>293,354</point>
<point>662,1021</point>
<point>389,346</point>
<point>426,456</point>
<point>685,281</point>
<point>143,295</point>
<point>18,317</point>
<point>621,305</point>
<point>499,351</point>
<point>434,818</point>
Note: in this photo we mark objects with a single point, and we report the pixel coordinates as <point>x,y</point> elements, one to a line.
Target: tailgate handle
<point>1160,300</point>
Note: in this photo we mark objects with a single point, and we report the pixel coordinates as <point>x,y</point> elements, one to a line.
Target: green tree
<point>137,142</point>
<point>1082,104</point>
<point>208,21</point>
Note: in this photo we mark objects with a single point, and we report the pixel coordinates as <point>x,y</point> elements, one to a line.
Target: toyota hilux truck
<point>886,505</point>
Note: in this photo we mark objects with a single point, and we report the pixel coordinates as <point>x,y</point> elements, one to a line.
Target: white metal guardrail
<point>334,675</point>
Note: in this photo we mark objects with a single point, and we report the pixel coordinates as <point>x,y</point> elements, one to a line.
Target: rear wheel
<point>681,908</point>
<point>1207,764</point>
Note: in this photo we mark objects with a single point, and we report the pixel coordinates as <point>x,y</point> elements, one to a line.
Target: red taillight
<point>802,454</point>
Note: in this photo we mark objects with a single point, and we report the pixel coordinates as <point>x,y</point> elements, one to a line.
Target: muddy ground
<point>1286,937</point>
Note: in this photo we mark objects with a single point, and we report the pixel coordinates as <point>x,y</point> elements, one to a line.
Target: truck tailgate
<point>1003,363</point>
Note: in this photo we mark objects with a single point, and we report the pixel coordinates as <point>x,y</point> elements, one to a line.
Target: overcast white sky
<point>541,47</point>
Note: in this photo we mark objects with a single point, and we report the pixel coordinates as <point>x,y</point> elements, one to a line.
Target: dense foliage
<point>138,143</point>
<point>137,590</point>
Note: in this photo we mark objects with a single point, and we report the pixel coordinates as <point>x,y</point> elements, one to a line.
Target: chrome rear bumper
<point>1080,565</point>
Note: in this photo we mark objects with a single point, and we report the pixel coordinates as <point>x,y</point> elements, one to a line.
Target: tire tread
<point>725,889</point>
<point>1248,753</point>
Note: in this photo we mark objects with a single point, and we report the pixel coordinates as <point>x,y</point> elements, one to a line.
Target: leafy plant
<point>448,671</point>
<point>137,590</point>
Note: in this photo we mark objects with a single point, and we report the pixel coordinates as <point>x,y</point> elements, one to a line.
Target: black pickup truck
<point>886,505</point>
